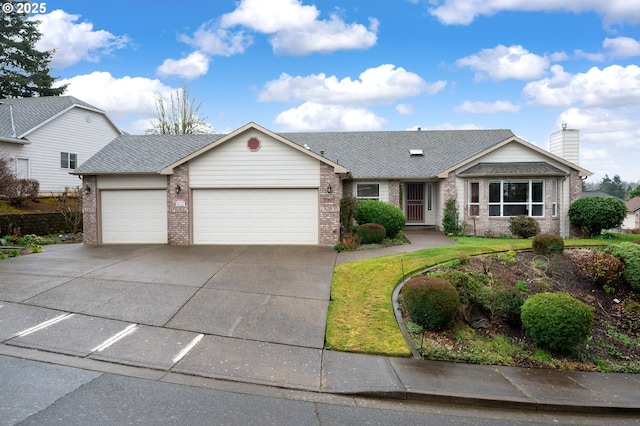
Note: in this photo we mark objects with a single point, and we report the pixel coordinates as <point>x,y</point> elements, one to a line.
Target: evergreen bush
<point>348,208</point>
<point>597,213</point>
<point>629,253</point>
<point>556,321</point>
<point>385,214</point>
<point>601,268</point>
<point>524,226</point>
<point>450,224</point>
<point>371,233</point>
<point>430,301</point>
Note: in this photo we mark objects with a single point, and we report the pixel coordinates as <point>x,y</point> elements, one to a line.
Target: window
<point>68,160</point>
<point>368,191</point>
<point>474,198</point>
<point>554,197</point>
<point>516,197</point>
<point>429,197</point>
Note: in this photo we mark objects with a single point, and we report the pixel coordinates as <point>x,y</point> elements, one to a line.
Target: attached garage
<point>255,216</point>
<point>251,186</point>
<point>134,216</point>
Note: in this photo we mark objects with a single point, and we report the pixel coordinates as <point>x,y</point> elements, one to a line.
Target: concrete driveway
<point>272,294</point>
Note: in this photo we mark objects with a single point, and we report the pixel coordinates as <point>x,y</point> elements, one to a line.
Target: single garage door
<point>134,216</point>
<point>255,216</point>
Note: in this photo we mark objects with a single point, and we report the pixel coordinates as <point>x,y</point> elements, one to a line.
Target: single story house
<point>47,137</point>
<point>632,221</point>
<point>255,186</point>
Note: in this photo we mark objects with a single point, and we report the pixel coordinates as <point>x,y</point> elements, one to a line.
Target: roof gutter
<point>15,140</point>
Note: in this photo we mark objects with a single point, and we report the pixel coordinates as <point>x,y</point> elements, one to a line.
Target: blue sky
<point>293,65</point>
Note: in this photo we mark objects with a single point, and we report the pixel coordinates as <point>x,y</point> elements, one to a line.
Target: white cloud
<point>213,40</point>
<point>311,116</point>
<point>502,62</point>
<point>74,41</point>
<point>126,98</point>
<point>404,109</point>
<point>622,47</point>
<point>487,108</point>
<point>594,57</point>
<point>604,132</point>
<point>465,11</point>
<point>611,86</point>
<point>296,30</point>
<point>192,66</point>
<point>383,84</point>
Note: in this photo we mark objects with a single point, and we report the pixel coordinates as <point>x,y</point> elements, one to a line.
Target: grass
<point>361,317</point>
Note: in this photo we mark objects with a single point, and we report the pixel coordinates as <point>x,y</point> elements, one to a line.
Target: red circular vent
<point>253,144</point>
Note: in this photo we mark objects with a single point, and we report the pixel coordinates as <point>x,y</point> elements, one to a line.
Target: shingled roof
<point>386,154</point>
<point>20,116</point>
<point>539,168</point>
<point>378,154</point>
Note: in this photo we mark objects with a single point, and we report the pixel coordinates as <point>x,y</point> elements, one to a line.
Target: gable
<point>515,152</point>
<point>234,164</point>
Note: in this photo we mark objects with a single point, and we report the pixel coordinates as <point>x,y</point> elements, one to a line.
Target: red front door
<point>415,203</point>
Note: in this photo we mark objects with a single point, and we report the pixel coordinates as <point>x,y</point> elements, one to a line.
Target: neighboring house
<point>254,186</point>
<point>632,221</point>
<point>47,137</point>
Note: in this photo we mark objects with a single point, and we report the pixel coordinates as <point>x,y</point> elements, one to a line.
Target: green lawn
<point>361,317</point>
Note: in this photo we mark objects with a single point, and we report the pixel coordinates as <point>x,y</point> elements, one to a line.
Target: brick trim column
<point>90,210</point>
<point>178,207</point>
<point>329,205</point>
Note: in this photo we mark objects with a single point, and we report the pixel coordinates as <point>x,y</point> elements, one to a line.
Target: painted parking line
<point>113,339</point>
<point>188,348</point>
<point>43,325</point>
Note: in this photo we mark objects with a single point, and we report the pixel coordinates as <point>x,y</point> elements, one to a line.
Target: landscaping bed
<point>614,342</point>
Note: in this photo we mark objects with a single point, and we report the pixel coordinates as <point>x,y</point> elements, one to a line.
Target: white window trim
<point>368,198</point>
<point>554,198</point>
<point>529,203</point>
<point>68,155</point>
<point>471,203</point>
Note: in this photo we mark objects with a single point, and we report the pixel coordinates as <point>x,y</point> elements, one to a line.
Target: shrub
<point>629,253</point>
<point>471,288</point>
<point>348,207</point>
<point>601,268</point>
<point>371,233</point>
<point>556,321</point>
<point>597,213</point>
<point>430,301</point>
<point>524,226</point>
<point>464,258</point>
<point>450,224</point>
<point>547,244</point>
<point>385,214</point>
<point>507,304</point>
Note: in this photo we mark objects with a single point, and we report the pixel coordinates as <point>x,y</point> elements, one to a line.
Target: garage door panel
<point>255,216</point>
<point>134,216</point>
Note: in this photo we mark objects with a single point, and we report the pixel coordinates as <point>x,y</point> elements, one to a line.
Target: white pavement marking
<point>44,324</point>
<point>113,339</point>
<point>187,348</point>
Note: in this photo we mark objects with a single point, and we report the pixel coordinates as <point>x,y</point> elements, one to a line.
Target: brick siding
<point>90,210</point>
<point>329,206</point>
<point>178,217</point>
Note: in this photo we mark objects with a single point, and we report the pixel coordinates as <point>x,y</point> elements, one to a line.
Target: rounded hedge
<point>430,301</point>
<point>597,213</point>
<point>524,226</point>
<point>556,321</point>
<point>385,214</point>
<point>371,233</point>
<point>629,253</point>
<point>545,244</point>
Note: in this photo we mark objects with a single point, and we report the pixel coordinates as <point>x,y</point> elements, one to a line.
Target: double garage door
<point>219,216</point>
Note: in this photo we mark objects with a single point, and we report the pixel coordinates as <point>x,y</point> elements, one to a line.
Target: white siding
<point>233,165</point>
<point>70,132</point>
<point>132,182</point>
<point>513,153</point>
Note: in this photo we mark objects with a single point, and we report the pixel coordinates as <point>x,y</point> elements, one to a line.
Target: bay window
<point>516,197</point>
<point>474,198</point>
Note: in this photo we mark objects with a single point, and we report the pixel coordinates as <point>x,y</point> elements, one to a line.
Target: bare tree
<point>180,117</point>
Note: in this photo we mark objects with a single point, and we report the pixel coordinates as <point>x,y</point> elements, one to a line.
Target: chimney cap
<point>564,126</point>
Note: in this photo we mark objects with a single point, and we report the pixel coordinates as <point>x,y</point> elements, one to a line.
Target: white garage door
<point>135,216</point>
<point>255,216</point>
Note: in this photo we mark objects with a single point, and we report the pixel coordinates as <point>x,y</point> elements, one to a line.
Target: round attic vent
<point>253,144</point>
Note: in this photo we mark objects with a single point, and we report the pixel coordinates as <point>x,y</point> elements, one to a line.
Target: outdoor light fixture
<point>178,189</point>
<point>87,190</point>
<point>329,189</point>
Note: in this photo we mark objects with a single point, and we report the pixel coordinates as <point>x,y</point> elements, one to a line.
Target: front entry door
<point>415,202</point>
